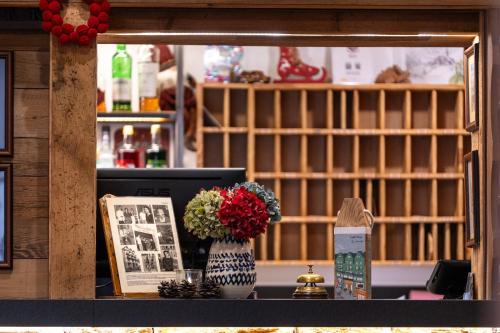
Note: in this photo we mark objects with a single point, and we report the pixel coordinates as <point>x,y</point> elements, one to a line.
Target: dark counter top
<point>248,313</point>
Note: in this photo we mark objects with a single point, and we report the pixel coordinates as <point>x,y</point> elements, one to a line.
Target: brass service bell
<point>310,290</point>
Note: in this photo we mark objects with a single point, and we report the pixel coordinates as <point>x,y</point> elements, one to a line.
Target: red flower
<point>47,15</point>
<point>47,26</point>
<point>105,6</point>
<point>103,17</point>
<point>93,21</point>
<point>54,7</point>
<point>64,38</point>
<point>84,41</point>
<point>68,28</point>
<point>102,27</point>
<point>57,30</point>
<point>82,29</point>
<point>57,19</point>
<point>92,33</point>
<point>74,36</point>
<point>95,9</point>
<point>243,213</point>
<point>44,4</point>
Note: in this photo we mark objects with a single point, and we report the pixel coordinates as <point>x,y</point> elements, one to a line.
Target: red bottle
<point>127,155</point>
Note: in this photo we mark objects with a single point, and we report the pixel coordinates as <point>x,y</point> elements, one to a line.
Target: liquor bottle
<point>122,79</point>
<point>148,66</point>
<point>127,155</point>
<point>105,156</point>
<point>156,155</point>
<point>101,93</point>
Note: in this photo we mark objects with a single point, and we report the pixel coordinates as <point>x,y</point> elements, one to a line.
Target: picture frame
<point>6,216</point>
<point>471,168</point>
<point>142,243</point>
<point>6,102</point>
<point>471,77</point>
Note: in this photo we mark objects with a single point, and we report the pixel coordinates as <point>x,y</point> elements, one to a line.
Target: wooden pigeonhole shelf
<point>398,147</point>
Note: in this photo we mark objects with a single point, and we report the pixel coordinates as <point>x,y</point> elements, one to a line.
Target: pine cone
<point>209,289</point>
<point>169,289</point>
<point>187,289</point>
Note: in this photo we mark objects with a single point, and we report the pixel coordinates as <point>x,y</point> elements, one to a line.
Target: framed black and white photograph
<point>6,114</point>
<point>5,216</point>
<point>471,168</point>
<point>142,242</point>
<point>471,76</point>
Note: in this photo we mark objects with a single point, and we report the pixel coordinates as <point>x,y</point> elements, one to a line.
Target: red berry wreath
<point>65,32</point>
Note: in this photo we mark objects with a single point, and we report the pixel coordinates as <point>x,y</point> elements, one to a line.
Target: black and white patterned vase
<point>231,263</point>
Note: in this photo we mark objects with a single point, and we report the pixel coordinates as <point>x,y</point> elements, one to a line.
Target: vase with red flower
<point>232,217</point>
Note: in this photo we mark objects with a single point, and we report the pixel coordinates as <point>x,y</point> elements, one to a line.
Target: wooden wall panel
<point>294,21</point>
<point>31,69</point>
<point>304,4</point>
<point>31,115</point>
<point>29,277</point>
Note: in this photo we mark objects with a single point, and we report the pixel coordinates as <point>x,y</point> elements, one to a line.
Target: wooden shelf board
<point>282,263</point>
<point>136,117</point>
<point>360,175</point>
<point>338,131</point>
<point>313,219</point>
<point>332,86</point>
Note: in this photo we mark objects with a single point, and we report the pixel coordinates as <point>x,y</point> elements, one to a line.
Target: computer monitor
<point>179,184</point>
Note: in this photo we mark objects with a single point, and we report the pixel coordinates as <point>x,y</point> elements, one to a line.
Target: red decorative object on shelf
<point>82,34</point>
<point>292,69</point>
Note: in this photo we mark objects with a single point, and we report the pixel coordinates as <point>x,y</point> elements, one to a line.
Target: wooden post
<point>72,170</point>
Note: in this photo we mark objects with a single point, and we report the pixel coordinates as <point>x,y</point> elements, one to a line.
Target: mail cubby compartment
<point>316,240</point>
<point>421,197</point>
<point>290,197</point>
<point>212,152</point>
<point>368,153</point>
<point>447,195</point>
<point>342,154</point>
<point>316,197</point>
<point>316,153</point>
<point>238,150</point>
<point>290,153</point>
<point>421,154</point>
<point>264,109</point>
<point>394,154</point>
<point>264,153</point>
<point>368,109</point>
<point>290,241</point>
<point>290,109</point>
<point>213,101</point>
<point>394,197</point>
<point>316,108</point>
<point>421,109</point>
<point>447,109</point>
<point>447,156</point>
<point>238,107</point>
<point>394,109</point>
<point>395,246</point>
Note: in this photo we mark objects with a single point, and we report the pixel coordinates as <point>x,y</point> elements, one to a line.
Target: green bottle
<point>122,79</point>
<point>156,155</point>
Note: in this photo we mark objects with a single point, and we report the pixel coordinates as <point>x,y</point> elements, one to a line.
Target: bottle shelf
<point>136,117</point>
